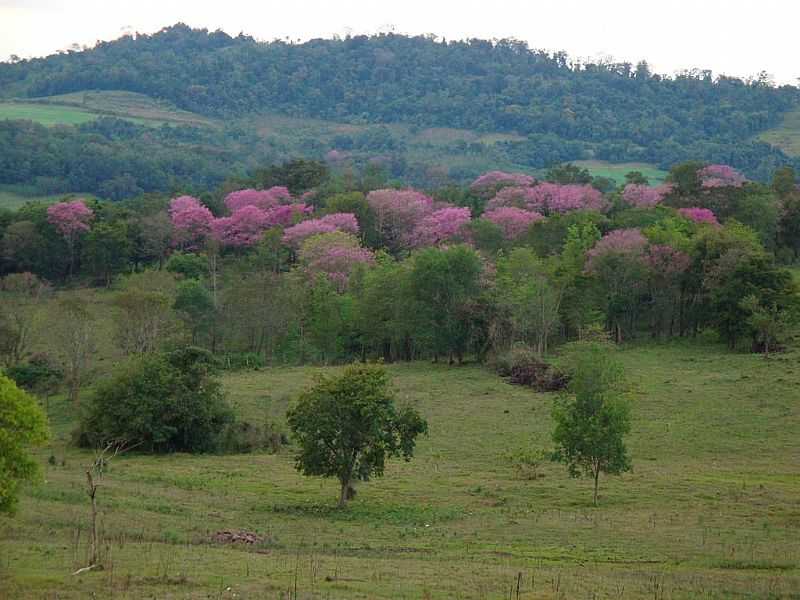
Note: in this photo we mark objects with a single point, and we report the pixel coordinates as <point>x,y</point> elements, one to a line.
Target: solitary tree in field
<point>22,423</point>
<point>593,417</point>
<point>348,425</point>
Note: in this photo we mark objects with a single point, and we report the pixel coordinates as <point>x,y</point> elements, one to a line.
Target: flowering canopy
<point>191,220</point>
<point>263,199</point>
<point>70,218</point>
<point>440,226</point>
<point>513,221</point>
<point>244,227</point>
<point>297,234</point>
<point>518,197</point>
<point>644,196</point>
<point>551,198</point>
<point>334,254</point>
<point>666,260</point>
<point>495,179</point>
<point>699,215</point>
<point>620,241</point>
<point>716,176</point>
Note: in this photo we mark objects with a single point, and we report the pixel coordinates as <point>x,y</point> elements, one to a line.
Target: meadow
<point>785,136</point>
<point>709,511</point>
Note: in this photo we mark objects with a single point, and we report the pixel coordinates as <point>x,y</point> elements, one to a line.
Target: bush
<point>523,367</point>
<point>240,361</point>
<point>39,374</point>
<point>162,402</point>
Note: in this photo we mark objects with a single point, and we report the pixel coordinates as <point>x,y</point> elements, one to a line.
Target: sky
<point>732,37</point>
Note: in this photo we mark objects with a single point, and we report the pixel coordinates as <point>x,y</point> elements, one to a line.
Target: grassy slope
<point>711,508</point>
<point>45,114</point>
<point>617,171</point>
<point>786,136</point>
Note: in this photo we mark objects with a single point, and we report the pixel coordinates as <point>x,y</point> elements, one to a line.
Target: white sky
<point>734,37</point>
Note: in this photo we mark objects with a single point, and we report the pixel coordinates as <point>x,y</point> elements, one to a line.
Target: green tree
<point>348,425</point>
<point>106,251</point>
<point>444,283</point>
<point>22,423</point>
<point>160,402</point>
<point>593,417</point>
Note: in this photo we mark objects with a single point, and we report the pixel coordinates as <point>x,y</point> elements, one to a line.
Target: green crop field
<point>617,171</point>
<point>45,114</point>
<point>710,510</point>
<point>787,135</point>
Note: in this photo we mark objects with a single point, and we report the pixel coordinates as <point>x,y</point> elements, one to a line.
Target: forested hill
<point>562,111</point>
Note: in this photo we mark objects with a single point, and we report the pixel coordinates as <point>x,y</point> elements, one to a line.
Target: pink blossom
<point>191,220</point>
<point>551,198</point>
<point>518,197</point>
<point>244,227</point>
<point>620,241</point>
<point>335,254</point>
<point>287,214</point>
<point>397,212</point>
<point>716,176</point>
<point>70,218</point>
<point>699,215</point>
<point>666,260</point>
<point>263,199</point>
<point>440,226</point>
<point>513,221</point>
<point>644,196</point>
<point>496,179</point>
<point>342,221</point>
<point>297,234</point>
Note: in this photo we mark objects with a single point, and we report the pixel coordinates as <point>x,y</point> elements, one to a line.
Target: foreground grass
<point>711,509</point>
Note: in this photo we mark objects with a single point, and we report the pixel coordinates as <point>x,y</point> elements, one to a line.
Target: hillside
<point>417,103</point>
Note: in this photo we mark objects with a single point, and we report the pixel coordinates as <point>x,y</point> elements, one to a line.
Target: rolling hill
<point>430,110</point>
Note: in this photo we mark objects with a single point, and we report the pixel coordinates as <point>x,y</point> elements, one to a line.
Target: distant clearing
<point>11,198</point>
<point>785,136</point>
<point>617,171</point>
<point>45,114</point>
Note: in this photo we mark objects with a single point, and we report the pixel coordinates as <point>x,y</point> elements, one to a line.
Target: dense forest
<point>558,110</point>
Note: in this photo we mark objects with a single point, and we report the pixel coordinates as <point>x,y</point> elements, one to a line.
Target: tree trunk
<point>92,491</point>
<point>344,494</point>
<point>596,484</point>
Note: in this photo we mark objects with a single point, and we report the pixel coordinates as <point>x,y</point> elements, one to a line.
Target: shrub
<point>522,367</point>
<point>243,437</point>
<point>163,402</point>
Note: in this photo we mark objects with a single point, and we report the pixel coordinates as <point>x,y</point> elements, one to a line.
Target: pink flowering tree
<point>191,221</point>
<point>617,260</point>
<point>288,214</point>
<point>245,227</point>
<point>335,254</point>
<point>295,236</point>
<point>492,181</point>
<point>515,196</point>
<point>718,176</point>
<point>443,225</point>
<point>667,267</point>
<point>71,219</point>
<point>645,196</point>
<point>513,221</point>
<point>397,213</point>
<point>552,198</point>
<point>699,215</point>
<point>263,199</point>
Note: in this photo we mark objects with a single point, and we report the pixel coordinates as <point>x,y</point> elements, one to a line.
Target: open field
<point>45,114</point>
<point>786,136</point>
<point>80,107</point>
<point>710,510</point>
<point>10,197</point>
<point>617,171</point>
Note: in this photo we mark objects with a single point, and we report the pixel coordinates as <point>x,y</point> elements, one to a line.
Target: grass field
<point>11,198</point>
<point>711,509</point>
<point>80,107</point>
<point>45,114</point>
<point>787,135</point>
<point>617,171</point>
